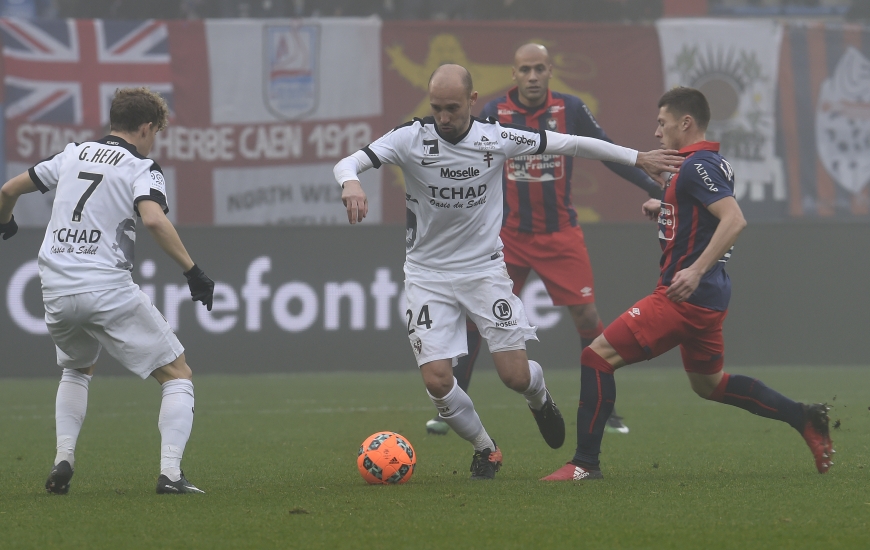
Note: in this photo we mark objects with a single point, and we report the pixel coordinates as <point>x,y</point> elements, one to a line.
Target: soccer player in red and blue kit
<point>699,220</point>
<point>540,230</point>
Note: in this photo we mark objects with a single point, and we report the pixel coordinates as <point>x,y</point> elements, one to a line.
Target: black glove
<point>9,229</point>
<point>201,287</point>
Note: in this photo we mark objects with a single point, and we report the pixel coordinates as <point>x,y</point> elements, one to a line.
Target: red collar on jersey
<point>513,99</point>
<point>700,146</point>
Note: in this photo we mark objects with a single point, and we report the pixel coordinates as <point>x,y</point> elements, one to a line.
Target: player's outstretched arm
<point>9,193</point>
<point>201,287</point>
<point>731,223</point>
<point>654,163</point>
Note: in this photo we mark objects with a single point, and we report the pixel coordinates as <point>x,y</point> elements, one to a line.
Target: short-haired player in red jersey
<point>540,230</point>
<point>699,221</point>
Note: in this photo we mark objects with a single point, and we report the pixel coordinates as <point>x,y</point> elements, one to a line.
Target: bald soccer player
<point>454,266</point>
<point>540,231</point>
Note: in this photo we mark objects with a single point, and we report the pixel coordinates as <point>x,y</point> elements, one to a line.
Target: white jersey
<point>453,188</point>
<point>89,241</point>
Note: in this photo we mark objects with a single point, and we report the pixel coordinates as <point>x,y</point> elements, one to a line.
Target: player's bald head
<point>451,76</point>
<point>531,53</point>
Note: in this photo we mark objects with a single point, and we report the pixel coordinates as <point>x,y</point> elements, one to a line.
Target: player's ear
<point>473,97</point>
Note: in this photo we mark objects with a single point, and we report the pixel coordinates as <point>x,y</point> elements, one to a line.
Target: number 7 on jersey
<point>96,179</point>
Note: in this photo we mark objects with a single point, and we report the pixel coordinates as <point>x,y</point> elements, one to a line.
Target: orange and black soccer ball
<point>386,458</point>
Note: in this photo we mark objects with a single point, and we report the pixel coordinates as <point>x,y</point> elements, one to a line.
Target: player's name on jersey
<point>102,155</point>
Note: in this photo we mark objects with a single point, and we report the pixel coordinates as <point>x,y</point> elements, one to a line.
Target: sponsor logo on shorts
<point>586,291</point>
<point>502,310</point>
<point>417,344</point>
<point>634,312</point>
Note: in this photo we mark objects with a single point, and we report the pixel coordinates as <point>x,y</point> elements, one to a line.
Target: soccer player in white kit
<point>454,267</point>
<point>85,265</point>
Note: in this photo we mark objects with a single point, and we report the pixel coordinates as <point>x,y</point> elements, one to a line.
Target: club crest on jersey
<point>291,69</point>
<point>430,148</point>
<point>552,124</point>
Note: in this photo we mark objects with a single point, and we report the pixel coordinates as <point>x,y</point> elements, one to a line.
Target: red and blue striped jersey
<point>686,226</point>
<point>537,188</point>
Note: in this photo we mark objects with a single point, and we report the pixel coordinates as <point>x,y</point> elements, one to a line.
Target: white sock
<point>458,411</point>
<point>175,423</point>
<point>69,413</point>
<point>536,393</point>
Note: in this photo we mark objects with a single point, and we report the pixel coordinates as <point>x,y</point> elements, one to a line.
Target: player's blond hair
<point>133,107</point>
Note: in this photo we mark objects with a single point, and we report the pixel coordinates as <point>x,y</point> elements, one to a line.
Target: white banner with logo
<point>735,64</point>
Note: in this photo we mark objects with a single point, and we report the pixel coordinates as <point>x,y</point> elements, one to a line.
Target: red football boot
<point>572,472</point>
<point>817,435</point>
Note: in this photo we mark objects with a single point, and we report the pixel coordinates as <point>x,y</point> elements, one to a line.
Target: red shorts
<point>560,260</point>
<point>656,324</point>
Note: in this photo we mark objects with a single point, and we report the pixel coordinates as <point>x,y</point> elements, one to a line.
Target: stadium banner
<point>261,109</point>
<point>825,124</point>
<point>326,299</point>
<point>614,69</point>
<point>735,64</point>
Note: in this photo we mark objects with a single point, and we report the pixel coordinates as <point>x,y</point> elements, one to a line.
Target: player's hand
<point>659,163</point>
<point>354,199</point>
<point>651,208</point>
<point>201,287</point>
<point>9,229</point>
<point>684,284</point>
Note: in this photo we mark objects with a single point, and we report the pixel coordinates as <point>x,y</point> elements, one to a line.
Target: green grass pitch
<point>277,457</point>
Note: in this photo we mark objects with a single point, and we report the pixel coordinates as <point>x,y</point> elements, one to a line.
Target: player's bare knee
<point>585,316</point>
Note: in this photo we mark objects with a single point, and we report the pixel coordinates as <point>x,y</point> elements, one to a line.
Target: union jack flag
<point>66,71</point>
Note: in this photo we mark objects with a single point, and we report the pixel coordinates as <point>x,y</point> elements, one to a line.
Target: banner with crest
<point>735,65</point>
<point>825,120</point>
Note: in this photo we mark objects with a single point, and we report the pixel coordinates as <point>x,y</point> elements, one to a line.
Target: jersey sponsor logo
<point>708,181</point>
<point>430,148</point>
<point>424,163</point>
<point>536,168</point>
<point>453,193</point>
<point>460,175</point>
<point>485,144</point>
<point>506,112</point>
<point>667,222</point>
<point>65,238</point>
<point>66,235</point>
<point>519,138</point>
<point>634,312</point>
<point>556,108</point>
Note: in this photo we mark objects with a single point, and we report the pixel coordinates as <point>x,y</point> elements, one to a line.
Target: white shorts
<point>438,303</point>
<point>123,320</point>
